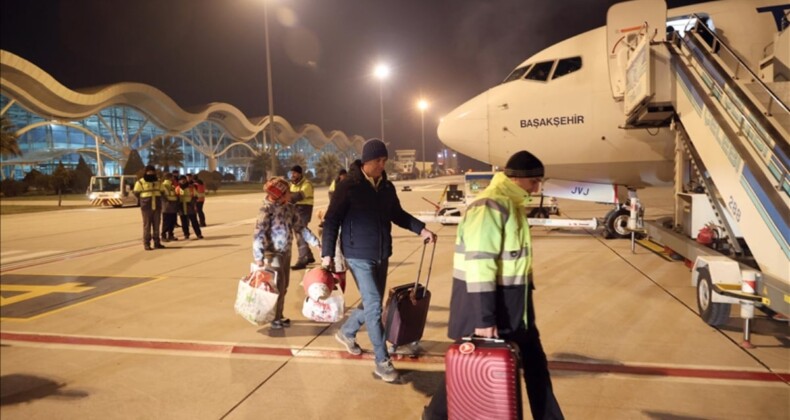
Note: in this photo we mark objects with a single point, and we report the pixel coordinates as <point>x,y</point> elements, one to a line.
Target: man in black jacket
<point>365,205</point>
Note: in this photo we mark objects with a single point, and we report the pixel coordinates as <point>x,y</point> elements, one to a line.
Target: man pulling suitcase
<point>492,283</point>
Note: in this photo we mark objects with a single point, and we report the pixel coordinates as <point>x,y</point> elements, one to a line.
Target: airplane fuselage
<point>570,119</point>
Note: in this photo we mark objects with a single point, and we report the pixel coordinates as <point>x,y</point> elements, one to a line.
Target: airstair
<point>733,167</point>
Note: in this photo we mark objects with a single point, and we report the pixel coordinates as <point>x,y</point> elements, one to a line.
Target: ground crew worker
<point>200,187</point>
<point>149,191</point>
<point>169,208</point>
<point>302,197</point>
<point>340,176</point>
<point>492,280</point>
<point>187,199</point>
<point>176,175</point>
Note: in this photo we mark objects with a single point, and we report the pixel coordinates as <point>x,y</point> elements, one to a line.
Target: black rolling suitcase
<point>407,308</point>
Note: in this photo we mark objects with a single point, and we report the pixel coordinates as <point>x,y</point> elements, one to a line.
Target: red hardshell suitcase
<point>483,380</point>
<point>407,309</point>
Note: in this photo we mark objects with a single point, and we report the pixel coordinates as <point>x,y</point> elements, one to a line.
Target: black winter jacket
<point>366,216</point>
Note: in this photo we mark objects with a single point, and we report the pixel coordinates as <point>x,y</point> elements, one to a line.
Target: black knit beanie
<point>373,149</point>
<point>524,164</point>
<point>297,169</point>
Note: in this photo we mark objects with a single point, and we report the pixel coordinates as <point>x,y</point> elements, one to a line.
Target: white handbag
<point>330,309</point>
<point>256,296</point>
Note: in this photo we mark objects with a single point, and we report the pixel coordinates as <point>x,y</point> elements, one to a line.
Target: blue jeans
<point>371,278</point>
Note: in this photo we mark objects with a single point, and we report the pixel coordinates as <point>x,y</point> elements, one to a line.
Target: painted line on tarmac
<point>236,349</point>
<point>32,262</point>
<point>27,263</point>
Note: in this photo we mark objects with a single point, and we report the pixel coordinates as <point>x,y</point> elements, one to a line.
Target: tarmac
<point>94,327</point>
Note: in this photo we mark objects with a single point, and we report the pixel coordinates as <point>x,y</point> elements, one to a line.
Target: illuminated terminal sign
<point>552,121</point>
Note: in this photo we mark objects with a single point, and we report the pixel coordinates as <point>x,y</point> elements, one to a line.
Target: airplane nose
<point>465,129</point>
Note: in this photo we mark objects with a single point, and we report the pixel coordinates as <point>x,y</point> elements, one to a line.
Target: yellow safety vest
<point>147,189</point>
<point>185,196</point>
<point>306,188</point>
<point>493,245</point>
<point>169,190</point>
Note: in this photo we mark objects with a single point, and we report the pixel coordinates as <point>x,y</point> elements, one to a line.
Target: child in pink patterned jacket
<point>277,221</point>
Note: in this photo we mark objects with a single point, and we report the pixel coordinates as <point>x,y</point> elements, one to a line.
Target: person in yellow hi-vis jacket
<point>169,207</point>
<point>492,280</point>
<point>187,207</point>
<point>302,197</point>
<point>149,191</point>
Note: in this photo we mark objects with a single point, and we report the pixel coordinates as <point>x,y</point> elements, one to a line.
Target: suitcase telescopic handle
<point>430,265</point>
<point>486,339</point>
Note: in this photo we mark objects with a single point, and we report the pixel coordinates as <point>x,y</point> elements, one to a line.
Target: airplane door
<point>624,21</point>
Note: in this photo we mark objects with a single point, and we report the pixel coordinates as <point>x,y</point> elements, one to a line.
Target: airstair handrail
<point>717,40</point>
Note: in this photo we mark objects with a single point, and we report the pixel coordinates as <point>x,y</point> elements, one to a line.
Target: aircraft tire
<point>539,213</point>
<point>616,222</point>
<point>713,313</point>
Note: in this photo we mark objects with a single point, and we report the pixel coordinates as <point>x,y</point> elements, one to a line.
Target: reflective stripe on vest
<point>149,190</point>
<point>170,191</point>
<point>185,196</point>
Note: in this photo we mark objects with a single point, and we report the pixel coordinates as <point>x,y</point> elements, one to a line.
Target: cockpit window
<point>540,71</point>
<point>567,66</point>
<point>516,74</point>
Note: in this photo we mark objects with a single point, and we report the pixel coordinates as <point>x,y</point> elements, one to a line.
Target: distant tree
<point>81,176</point>
<point>165,153</point>
<point>212,180</point>
<point>12,188</point>
<point>134,165</point>
<point>229,177</point>
<point>327,168</point>
<point>60,179</point>
<point>37,180</point>
<point>261,165</point>
<point>9,147</point>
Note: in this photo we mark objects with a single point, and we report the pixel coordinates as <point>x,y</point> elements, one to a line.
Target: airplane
<point>565,106</point>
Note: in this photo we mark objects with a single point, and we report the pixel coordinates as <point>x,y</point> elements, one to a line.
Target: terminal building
<point>54,123</point>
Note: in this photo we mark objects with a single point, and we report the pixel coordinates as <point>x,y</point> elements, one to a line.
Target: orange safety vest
<point>201,192</point>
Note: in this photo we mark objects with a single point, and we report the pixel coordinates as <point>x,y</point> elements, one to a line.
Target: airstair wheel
<point>713,313</point>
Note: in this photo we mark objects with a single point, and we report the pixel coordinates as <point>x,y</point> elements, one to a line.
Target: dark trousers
<point>150,223</point>
<point>185,220</point>
<point>201,216</point>
<point>282,265</point>
<point>305,213</point>
<point>168,224</point>
<point>542,402</point>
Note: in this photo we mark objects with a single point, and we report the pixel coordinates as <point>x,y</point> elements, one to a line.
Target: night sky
<point>323,52</point>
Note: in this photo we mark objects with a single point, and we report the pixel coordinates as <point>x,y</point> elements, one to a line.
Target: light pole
<point>99,169</point>
<point>423,105</point>
<point>269,82</point>
<point>382,71</point>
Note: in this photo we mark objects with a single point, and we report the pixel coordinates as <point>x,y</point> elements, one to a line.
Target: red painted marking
<point>671,371</point>
<point>426,358</point>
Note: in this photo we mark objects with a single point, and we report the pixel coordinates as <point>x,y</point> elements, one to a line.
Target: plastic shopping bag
<point>256,296</point>
<point>325,310</point>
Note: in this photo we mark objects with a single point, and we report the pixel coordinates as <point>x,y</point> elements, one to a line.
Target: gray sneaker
<point>351,344</point>
<point>386,371</point>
